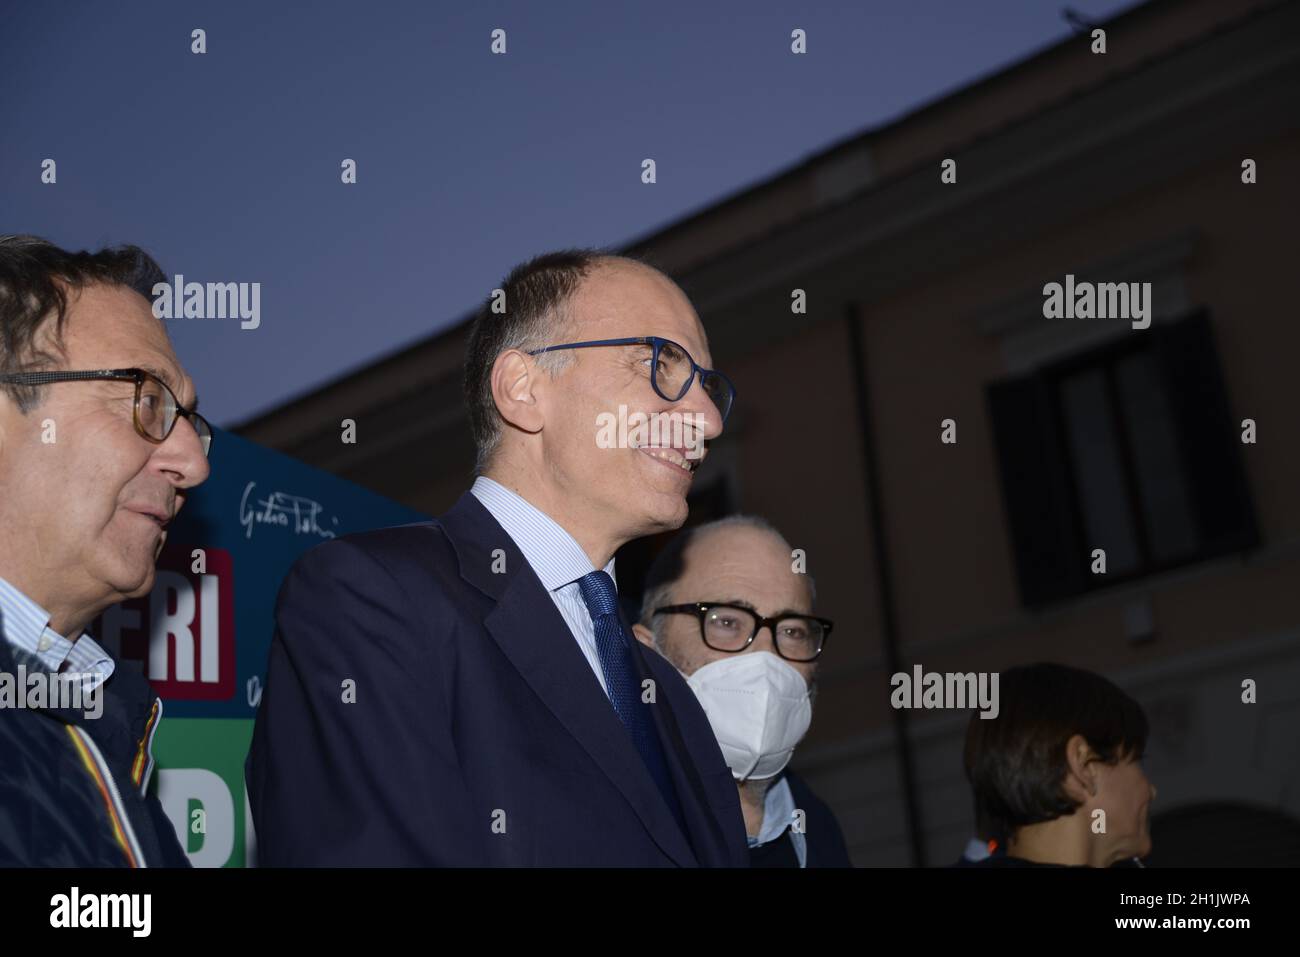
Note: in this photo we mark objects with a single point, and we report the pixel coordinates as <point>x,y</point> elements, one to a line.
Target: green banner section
<point>199,778</point>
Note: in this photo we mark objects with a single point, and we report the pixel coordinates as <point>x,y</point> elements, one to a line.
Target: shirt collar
<point>778,810</point>
<point>25,626</point>
<point>553,553</point>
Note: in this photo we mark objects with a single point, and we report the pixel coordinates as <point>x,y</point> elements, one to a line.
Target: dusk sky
<point>226,165</point>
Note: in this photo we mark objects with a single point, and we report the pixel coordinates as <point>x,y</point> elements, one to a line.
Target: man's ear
<point>1080,781</point>
<point>644,635</point>
<point>514,381</point>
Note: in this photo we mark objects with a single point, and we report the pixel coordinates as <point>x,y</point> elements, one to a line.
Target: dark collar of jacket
<point>824,841</point>
<point>129,717</point>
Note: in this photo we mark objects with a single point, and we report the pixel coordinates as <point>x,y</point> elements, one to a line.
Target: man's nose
<point>181,454</point>
<point>763,640</point>
<point>708,421</point>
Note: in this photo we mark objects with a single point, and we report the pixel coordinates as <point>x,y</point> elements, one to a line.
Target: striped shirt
<point>26,626</point>
<point>554,555</point>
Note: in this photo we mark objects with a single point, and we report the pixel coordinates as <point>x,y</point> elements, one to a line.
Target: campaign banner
<point>202,635</point>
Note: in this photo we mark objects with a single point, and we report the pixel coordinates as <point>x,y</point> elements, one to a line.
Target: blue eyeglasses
<point>672,370</point>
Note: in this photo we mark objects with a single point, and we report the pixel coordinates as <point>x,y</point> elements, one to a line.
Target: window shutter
<point>1209,437</point>
<point>1037,493</point>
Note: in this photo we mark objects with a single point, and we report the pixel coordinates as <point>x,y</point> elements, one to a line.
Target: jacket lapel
<point>535,638</point>
<point>696,806</point>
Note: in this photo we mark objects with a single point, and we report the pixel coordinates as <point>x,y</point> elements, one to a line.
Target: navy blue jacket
<point>478,733</point>
<point>823,838</point>
<point>69,802</point>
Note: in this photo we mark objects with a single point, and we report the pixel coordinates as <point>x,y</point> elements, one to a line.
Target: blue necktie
<point>612,643</point>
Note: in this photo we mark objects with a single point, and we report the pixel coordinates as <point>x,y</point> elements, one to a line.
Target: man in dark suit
<point>725,604</point>
<point>465,691</point>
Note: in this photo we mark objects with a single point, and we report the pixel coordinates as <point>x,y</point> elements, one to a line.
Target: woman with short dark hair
<point>1057,775</point>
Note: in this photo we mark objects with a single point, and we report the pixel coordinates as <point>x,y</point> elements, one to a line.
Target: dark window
<point>1131,448</point>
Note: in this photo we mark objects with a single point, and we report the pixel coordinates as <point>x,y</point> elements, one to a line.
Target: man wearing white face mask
<point>724,607</point>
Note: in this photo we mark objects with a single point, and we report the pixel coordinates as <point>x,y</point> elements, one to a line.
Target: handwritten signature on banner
<point>300,515</point>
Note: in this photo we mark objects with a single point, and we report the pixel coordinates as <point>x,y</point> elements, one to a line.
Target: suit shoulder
<point>391,538</point>
<point>390,547</point>
<point>416,559</point>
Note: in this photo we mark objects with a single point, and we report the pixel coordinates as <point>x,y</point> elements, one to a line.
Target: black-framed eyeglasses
<point>157,409</point>
<point>672,370</point>
<point>732,628</point>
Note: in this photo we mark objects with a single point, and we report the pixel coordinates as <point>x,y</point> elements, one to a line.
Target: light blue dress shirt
<point>555,556</point>
<point>778,814</point>
<point>26,626</point>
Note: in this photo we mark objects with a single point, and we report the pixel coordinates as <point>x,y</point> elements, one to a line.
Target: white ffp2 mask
<point>759,708</point>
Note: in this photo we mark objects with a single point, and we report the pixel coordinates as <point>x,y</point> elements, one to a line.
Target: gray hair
<point>538,294</point>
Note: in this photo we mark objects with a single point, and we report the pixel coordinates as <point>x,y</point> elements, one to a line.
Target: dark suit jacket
<point>822,835</point>
<point>479,734</point>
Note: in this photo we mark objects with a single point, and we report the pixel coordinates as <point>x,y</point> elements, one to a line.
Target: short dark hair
<point>536,294</point>
<point>1016,763</point>
<point>35,276</point>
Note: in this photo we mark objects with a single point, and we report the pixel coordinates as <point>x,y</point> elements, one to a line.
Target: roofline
<point>637,245</point>
<point>856,140</point>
